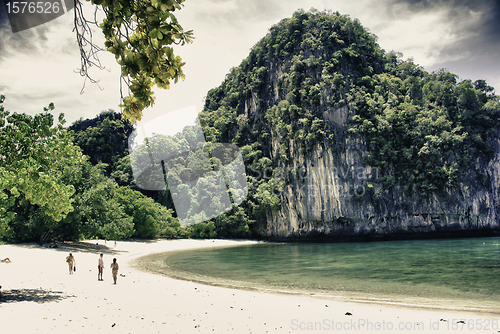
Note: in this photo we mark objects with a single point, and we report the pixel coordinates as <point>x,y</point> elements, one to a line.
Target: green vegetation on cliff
<point>426,128</point>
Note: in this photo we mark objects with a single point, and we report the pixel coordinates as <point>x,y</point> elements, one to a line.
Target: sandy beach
<point>40,296</point>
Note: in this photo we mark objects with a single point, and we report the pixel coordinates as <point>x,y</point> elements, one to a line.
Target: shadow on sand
<point>75,246</point>
<point>32,295</point>
<point>86,246</point>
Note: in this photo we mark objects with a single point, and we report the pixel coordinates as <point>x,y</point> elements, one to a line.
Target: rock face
<point>331,199</point>
<point>331,196</point>
<point>296,92</point>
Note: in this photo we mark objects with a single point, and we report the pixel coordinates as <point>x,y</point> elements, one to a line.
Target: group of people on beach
<point>70,259</point>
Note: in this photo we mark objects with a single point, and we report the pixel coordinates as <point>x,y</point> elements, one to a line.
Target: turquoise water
<point>452,274</point>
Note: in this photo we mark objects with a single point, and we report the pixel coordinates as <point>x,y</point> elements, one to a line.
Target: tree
<point>97,210</point>
<point>33,154</point>
<point>122,172</point>
<point>140,34</point>
<point>103,138</point>
<point>151,219</point>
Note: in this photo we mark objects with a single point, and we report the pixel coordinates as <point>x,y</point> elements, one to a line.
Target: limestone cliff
<point>342,140</point>
<point>333,201</point>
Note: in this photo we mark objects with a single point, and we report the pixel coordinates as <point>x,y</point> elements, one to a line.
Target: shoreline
<point>38,287</point>
<point>153,263</point>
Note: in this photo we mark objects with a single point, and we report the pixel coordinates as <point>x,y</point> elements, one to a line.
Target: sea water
<point>459,274</point>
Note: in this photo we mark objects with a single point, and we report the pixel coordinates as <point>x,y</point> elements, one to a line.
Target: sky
<point>40,65</point>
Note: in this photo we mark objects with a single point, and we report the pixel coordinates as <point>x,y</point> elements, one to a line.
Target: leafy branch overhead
<point>140,34</point>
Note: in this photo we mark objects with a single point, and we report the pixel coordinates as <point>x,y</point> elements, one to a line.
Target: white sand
<point>41,297</point>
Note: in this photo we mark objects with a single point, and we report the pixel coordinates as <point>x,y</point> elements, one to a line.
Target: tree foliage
<point>49,190</point>
<point>104,138</point>
<point>97,211</point>
<point>150,219</point>
<point>426,127</point>
<point>140,34</point>
<point>33,154</point>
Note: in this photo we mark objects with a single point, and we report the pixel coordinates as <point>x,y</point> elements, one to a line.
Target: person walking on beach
<point>100,268</point>
<point>114,269</point>
<point>71,262</point>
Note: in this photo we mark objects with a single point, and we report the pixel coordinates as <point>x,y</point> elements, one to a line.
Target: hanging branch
<point>138,33</point>
<point>88,50</point>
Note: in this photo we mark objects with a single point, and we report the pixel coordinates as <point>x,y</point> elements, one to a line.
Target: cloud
<point>473,25</point>
<point>462,36</point>
<point>237,13</point>
<point>26,42</point>
<point>39,66</point>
